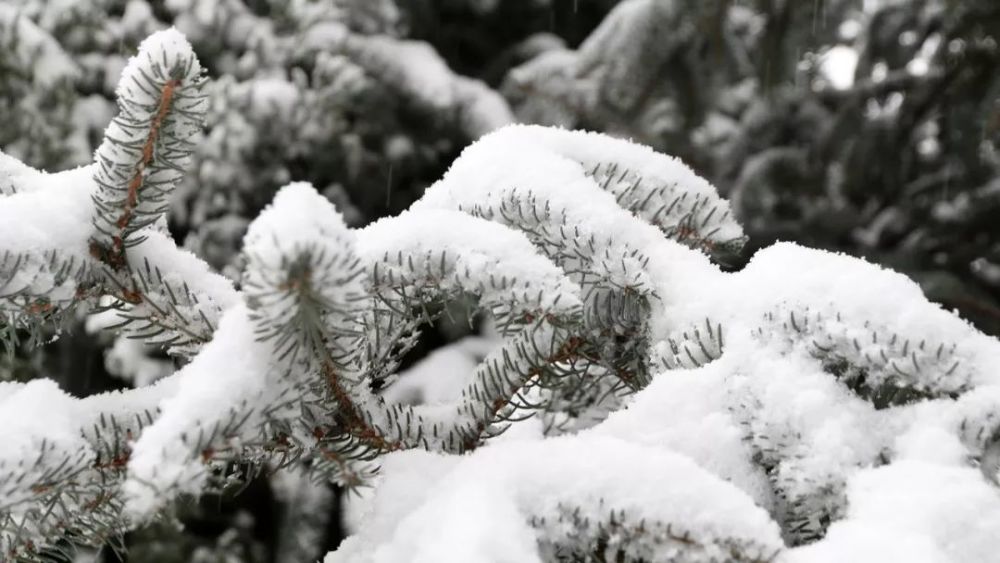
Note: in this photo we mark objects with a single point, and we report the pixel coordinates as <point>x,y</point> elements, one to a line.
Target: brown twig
<point>116,257</point>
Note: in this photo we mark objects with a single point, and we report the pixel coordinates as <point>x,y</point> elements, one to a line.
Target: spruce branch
<point>67,490</point>
<point>303,279</point>
<point>616,289</point>
<point>806,501</point>
<point>419,74</point>
<point>147,145</point>
<point>694,347</point>
<point>694,219</point>
<point>624,276</point>
<point>571,534</point>
<point>881,366</point>
<point>304,287</point>
<point>415,263</point>
<point>45,269</point>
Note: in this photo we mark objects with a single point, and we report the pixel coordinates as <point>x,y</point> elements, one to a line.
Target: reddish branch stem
<point>351,415</point>
<point>117,257</point>
<point>358,426</point>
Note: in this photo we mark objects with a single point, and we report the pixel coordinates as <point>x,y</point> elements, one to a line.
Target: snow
<point>91,114</point>
<point>448,250</point>
<point>943,513</point>
<point>272,96</point>
<point>181,267</point>
<point>137,16</point>
<point>199,20</point>
<point>48,211</point>
<point>528,163</point>
<point>26,460</point>
<point>168,48</point>
<point>838,64</point>
<point>298,219</point>
<point>180,293</point>
<point>685,412</point>
<point>608,78</point>
<point>613,53</point>
<point>129,360</point>
<point>416,69</point>
<point>440,377</point>
<point>857,542</point>
<point>56,462</point>
<point>47,215</point>
<point>411,66</point>
<point>769,393</point>
<point>229,381</point>
<point>301,259</point>
<point>427,500</point>
<point>481,109</point>
<point>133,408</point>
<point>545,159</point>
<point>786,278</point>
<point>16,176</point>
<point>765,395</point>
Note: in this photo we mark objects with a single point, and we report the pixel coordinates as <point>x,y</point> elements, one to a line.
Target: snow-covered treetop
<point>806,408</point>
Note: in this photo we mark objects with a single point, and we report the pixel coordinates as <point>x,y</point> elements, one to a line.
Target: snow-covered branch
<point>146,147</point>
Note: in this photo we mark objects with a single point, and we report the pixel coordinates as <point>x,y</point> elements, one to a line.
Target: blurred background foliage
<point>870,127</point>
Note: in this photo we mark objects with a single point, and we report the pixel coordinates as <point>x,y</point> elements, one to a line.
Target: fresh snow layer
<point>46,219</point>
<point>301,230</point>
<point>182,268</point>
<point>440,377</point>
<point>168,45</point>
<point>227,382</point>
<point>48,212</point>
<point>415,69</point>
<point>912,511</point>
<point>488,500</point>
<point>16,176</point>
<point>527,162</point>
<point>35,449</point>
<point>454,251</point>
<point>298,219</point>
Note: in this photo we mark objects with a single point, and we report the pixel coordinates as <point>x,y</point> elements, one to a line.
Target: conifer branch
<point>881,366</point>
<point>147,145</point>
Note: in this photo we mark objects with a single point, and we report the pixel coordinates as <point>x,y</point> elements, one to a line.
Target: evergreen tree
<point>638,403</point>
<point>868,128</point>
